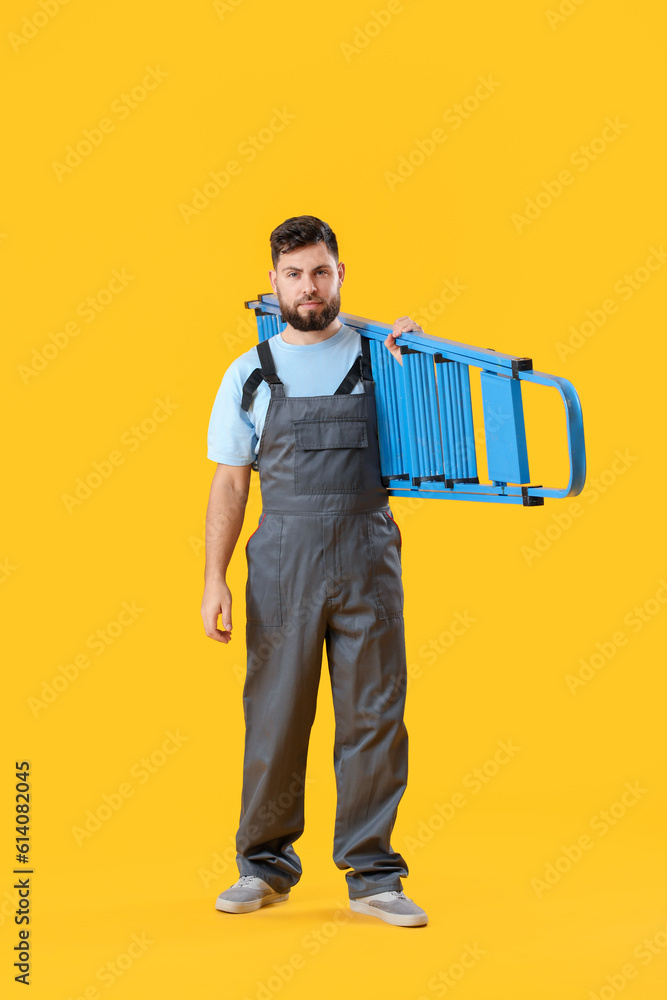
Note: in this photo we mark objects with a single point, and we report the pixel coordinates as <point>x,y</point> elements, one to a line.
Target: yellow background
<point>169,335</point>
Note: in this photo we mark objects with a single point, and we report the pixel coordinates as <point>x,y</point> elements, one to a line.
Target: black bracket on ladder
<point>521,365</point>
<point>386,479</point>
<point>518,364</point>
<point>531,501</point>
<point>449,483</point>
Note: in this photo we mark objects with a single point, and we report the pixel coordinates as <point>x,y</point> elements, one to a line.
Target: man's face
<point>307,283</point>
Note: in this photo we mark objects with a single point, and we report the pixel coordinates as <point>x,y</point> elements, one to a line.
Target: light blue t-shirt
<point>304,369</point>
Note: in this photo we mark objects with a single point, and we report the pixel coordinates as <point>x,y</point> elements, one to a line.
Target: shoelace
<point>246,878</point>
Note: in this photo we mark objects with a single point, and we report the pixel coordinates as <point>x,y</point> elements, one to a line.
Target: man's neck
<point>292,336</point>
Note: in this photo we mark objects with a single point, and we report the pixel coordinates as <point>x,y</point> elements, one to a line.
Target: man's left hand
<point>402,325</point>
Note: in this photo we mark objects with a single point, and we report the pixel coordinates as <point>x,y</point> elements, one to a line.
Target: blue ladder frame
<point>425,428</point>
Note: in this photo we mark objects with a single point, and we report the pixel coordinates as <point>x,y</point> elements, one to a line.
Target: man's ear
<point>272,279</point>
<point>341,271</point>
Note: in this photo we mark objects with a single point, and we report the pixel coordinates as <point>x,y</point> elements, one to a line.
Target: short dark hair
<point>301,231</point>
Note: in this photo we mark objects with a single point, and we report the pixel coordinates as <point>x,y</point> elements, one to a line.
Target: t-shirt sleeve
<point>231,432</point>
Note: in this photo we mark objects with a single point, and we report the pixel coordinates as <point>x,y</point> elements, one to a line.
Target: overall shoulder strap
<point>360,369</point>
<point>267,372</point>
<point>266,358</point>
<point>366,367</point>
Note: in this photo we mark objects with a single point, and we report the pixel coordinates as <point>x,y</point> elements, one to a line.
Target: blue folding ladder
<point>425,424</point>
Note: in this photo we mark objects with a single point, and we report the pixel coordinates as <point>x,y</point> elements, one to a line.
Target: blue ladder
<point>425,422</point>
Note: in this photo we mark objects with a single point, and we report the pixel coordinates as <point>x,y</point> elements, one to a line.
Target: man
<point>324,568</point>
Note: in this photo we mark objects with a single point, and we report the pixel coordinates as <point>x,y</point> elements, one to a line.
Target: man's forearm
<point>224,520</point>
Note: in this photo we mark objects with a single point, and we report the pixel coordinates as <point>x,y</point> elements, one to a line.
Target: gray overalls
<point>324,567</point>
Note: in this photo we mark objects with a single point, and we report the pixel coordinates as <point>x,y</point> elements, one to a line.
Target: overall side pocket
<point>263,599</point>
<point>384,539</point>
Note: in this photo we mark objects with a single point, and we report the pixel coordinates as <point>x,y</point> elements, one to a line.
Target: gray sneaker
<point>249,893</point>
<point>393,906</point>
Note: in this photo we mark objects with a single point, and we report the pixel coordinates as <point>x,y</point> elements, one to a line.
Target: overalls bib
<point>324,568</point>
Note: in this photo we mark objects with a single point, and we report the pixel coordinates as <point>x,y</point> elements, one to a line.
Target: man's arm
<point>224,520</point>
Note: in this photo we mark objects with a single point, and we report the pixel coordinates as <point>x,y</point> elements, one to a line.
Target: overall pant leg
<point>367,665</point>
<point>285,630</point>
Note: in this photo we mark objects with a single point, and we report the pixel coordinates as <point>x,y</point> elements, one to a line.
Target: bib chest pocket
<point>329,455</point>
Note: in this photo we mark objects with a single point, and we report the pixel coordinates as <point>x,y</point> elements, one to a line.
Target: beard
<point>310,319</point>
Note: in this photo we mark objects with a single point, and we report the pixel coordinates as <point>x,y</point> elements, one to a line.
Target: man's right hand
<point>224,520</point>
<point>217,600</point>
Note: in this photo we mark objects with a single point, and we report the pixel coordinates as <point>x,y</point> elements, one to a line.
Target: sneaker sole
<point>230,906</point>
<point>398,919</point>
